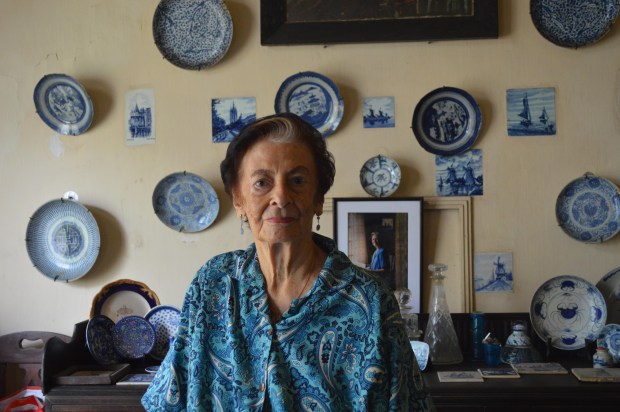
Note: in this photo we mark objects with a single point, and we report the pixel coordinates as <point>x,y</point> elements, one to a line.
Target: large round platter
<point>567,310</point>
<point>574,23</point>
<point>314,98</point>
<point>380,176</point>
<point>123,298</point>
<point>99,340</point>
<point>190,34</point>
<point>609,285</point>
<point>447,121</point>
<point>185,202</point>
<point>63,104</point>
<point>63,240</point>
<point>164,320</point>
<point>610,338</point>
<point>133,337</point>
<point>588,209</point>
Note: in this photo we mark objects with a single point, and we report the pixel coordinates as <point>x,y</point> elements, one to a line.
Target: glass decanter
<point>440,334</point>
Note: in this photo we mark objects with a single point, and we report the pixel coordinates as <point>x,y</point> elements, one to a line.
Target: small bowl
<point>380,176</point>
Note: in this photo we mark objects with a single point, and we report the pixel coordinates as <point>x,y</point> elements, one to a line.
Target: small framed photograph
<point>383,236</point>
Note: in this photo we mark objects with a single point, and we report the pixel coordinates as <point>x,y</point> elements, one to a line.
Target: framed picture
<point>289,22</point>
<point>383,236</point>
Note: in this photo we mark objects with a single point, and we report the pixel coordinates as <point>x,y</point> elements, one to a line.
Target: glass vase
<point>440,334</point>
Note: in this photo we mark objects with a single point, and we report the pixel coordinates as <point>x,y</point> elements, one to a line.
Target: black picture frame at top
<point>294,22</point>
<point>397,223</point>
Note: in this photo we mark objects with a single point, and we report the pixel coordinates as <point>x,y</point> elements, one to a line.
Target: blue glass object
<point>477,334</point>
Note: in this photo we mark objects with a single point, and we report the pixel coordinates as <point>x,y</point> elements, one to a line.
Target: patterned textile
<point>340,347</point>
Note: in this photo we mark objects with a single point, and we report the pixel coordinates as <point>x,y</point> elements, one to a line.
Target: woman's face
<point>277,189</point>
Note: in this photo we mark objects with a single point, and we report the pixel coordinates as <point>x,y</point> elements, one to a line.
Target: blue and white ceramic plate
<point>63,240</point>
<point>609,285</point>
<point>588,209</point>
<point>610,338</point>
<point>380,176</point>
<point>314,98</point>
<point>567,310</point>
<point>185,202</point>
<point>99,340</point>
<point>574,23</point>
<point>133,337</point>
<point>122,298</point>
<point>192,34</point>
<point>447,121</point>
<point>63,104</point>
<point>165,320</point>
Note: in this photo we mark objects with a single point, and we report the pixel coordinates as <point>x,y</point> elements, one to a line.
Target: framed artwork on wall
<point>383,236</point>
<point>290,22</point>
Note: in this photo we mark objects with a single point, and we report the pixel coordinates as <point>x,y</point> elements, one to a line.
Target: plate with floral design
<point>380,176</point>
<point>588,209</point>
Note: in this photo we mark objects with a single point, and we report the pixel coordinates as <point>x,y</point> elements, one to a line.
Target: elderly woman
<point>289,323</point>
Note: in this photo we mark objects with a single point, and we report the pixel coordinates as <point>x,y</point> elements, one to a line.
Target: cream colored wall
<point>108,46</point>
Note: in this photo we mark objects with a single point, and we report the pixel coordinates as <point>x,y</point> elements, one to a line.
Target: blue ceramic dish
<point>185,202</point>
<point>447,121</point>
<point>574,23</point>
<point>133,337</point>
<point>313,97</point>
<point>380,176</point>
<point>63,104</point>
<point>99,340</point>
<point>567,310</point>
<point>191,34</point>
<point>588,209</point>
<point>164,320</point>
<point>63,240</point>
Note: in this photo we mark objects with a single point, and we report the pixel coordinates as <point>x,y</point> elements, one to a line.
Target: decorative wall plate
<point>185,202</point>
<point>165,320</point>
<point>133,337</point>
<point>99,340</point>
<point>63,240</point>
<point>123,298</point>
<point>574,23</point>
<point>314,98</point>
<point>588,209</point>
<point>447,121</point>
<point>63,104</point>
<point>380,176</point>
<point>609,285</point>
<point>567,310</point>
<point>610,338</point>
<point>192,34</point>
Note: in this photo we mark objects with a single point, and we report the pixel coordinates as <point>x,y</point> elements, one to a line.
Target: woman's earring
<point>243,220</point>
<point>318,222</point>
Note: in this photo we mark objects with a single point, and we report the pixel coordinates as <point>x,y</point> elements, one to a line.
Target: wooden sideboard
<point>527,393</point>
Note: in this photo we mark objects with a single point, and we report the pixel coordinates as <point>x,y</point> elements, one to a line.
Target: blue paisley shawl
<point>340,347</point>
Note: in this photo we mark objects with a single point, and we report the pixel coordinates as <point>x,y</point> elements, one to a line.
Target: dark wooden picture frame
<point>277,28</point>
<point>397,223</point>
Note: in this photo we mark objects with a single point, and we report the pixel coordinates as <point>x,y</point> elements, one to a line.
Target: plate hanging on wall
<point>63,104</point>
<point>588,209</point>
<point>313,97</point>
<point>447,121</point>
<point>192,35</point>
<point>380,176</point>
<point>63,239</point>
<point>185,202</point>
<point>574,23</point>
<point>609,285</point>
<point>567,310</point>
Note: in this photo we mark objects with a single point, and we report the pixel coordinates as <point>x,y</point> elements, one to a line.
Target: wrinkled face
<point>277,189</point>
